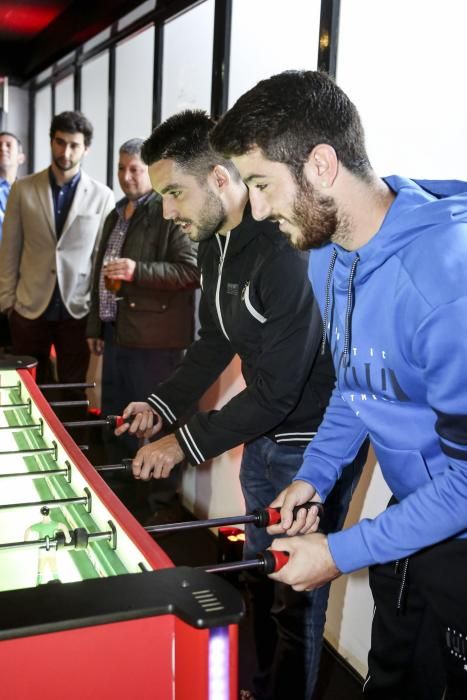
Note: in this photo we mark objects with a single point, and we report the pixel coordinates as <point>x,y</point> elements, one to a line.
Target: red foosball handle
<point>272,516</point>
<point>274,560</point>
<point>117,421</point>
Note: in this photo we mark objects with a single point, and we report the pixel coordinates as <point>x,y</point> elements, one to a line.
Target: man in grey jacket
<point>143,326</point>
<point>52,222</point>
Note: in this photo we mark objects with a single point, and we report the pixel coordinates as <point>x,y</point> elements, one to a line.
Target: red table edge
<point>155,556</point>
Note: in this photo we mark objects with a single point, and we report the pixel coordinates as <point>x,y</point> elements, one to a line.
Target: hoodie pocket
<point>404,470</point>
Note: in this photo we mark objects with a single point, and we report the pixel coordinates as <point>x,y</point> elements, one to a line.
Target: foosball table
<point>90,605</point>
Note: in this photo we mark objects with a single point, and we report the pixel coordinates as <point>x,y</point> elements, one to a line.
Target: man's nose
<point>259,206</point>
<point>168,210</point>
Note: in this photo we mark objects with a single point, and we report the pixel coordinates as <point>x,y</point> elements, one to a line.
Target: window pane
<point>133,91</point>
<point>95,105</point>
<point>64,96</point>
<point>268,40</point>
<point>43,113</point>
<point>413,107</point>
<point>187,62</point>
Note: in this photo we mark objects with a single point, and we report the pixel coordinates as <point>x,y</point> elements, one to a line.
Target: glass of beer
<point>112,285</point>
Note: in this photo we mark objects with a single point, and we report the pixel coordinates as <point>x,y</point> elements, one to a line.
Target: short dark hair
<point>18,141</point>
<point>72,123</point>
<point>45,510</point>
<point>184,138</point>
<point>289,114</point>
<point>132,147</point>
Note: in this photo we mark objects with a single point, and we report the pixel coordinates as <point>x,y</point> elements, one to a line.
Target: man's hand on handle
<point>145,424</point>
<point>157,459</point>
<point>298,493</point>
<point>310,562</point>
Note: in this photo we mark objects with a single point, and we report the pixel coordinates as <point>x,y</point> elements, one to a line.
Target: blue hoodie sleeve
<point>437,510</point>
<point>336,444</point>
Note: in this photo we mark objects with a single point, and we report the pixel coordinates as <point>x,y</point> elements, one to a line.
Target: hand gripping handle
<point>272,516</point>
<point>117,421</point>
<point>273,560</point>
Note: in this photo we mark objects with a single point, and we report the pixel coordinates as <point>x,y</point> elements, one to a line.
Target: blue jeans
<point>288,626</point>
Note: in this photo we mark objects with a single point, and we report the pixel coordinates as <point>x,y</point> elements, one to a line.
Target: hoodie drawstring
<point>348,313</point>
<point>327,300</point>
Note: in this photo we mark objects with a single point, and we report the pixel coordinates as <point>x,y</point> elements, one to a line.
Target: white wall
<point>43,118</point>
<point>133,92</point>
<point>267,40</point>
<point>64,95</point>
<point>95,105</point>
<point>187,60</point>
<point>17,120</point>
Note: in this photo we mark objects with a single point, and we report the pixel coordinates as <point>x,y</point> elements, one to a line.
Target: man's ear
<point>21,158</point>
<point>220,176</point>
<point>321,166</point>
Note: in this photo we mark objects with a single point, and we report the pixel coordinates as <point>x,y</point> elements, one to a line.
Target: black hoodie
<point>256,302</point>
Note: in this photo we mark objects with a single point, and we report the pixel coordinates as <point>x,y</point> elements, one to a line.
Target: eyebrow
<point>170,186</point>
<point>69,143</point>
<point>254,176</point>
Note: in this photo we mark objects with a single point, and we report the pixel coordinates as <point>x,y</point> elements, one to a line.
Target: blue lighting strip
<point>219,676</point>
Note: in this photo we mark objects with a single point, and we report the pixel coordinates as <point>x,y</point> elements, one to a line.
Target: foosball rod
<point>269,562</point>
<point>111,421</point>
<point>85,500</point>
<point>260,518</point>
<point>74,385</point>
<point>61,404</point>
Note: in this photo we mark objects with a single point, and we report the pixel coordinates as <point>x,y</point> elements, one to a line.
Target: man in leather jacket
<point>143,327</point>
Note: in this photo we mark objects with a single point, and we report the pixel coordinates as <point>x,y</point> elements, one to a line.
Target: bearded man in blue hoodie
<point>389,272</point>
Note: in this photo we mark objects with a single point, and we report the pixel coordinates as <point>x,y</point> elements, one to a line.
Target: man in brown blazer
<point>52,223</point>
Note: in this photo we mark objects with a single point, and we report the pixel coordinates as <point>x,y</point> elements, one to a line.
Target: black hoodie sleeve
<point>288,342</point>
<point>204,361</point>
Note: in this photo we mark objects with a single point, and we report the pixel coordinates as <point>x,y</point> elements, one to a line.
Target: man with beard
<point>388,271</point>
<point>256,302</point>
<point>52,222</point>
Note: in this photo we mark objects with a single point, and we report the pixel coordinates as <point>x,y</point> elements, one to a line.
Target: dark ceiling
<point>36,33</point>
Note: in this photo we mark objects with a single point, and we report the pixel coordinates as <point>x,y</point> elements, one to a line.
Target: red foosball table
<point>90,606</point>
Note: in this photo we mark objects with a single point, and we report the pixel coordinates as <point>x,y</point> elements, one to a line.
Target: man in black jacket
<point>256,302</point>
<point>143,326</point>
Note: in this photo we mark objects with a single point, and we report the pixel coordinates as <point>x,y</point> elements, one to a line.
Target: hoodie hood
<point>419,206</point>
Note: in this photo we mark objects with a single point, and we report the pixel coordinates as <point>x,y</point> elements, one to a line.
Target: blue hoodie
<point>395,312</point>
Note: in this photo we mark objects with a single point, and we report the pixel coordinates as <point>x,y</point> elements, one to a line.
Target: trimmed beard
<point>315,215</point>
<point>212,219</point>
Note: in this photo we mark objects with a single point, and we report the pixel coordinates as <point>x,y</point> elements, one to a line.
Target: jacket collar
<point>242,235</point>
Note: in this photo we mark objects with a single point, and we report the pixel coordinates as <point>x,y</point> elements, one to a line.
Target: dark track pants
<point>421,649</point>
